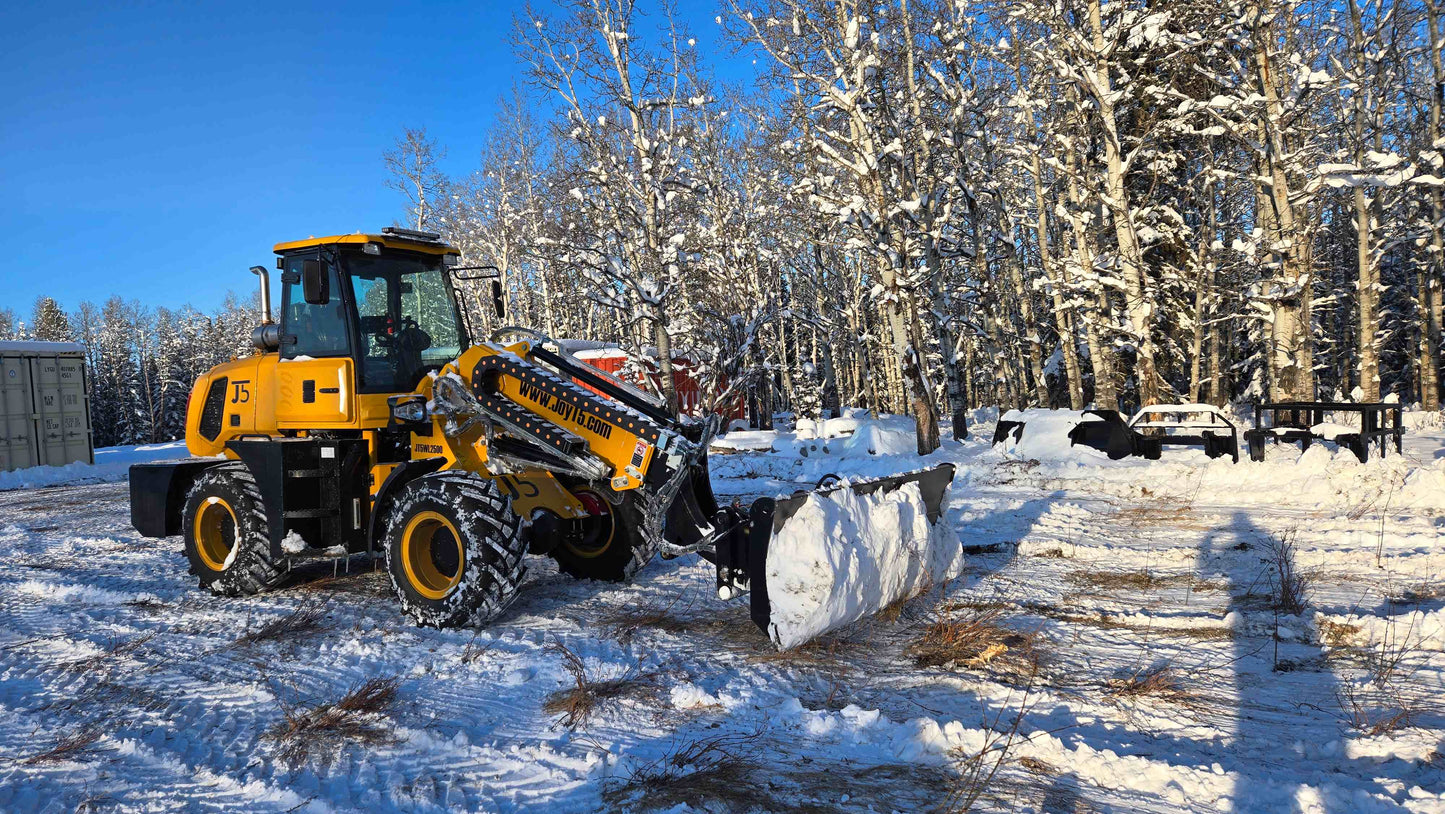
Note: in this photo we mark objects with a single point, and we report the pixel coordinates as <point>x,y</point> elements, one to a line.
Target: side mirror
<point>315,285</point>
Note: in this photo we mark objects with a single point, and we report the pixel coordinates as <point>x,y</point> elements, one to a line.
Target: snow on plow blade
<point>819,560</point>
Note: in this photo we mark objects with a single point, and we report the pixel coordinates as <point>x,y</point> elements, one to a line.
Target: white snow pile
<point>853,435</point>
<point>111,464</point>
<point>844,556</point>
<point>746,440</point>
<point>1418,629</point>
<point>1045,435</point>
<point>1330,430</point>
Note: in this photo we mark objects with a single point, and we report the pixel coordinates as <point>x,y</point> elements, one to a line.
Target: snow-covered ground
<point>1115,643</point>
<point>111,464</point>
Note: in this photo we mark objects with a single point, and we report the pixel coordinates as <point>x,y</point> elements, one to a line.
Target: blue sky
<point>157,150</point>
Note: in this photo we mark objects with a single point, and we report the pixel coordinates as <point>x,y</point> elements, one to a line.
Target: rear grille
<point>213,410</point>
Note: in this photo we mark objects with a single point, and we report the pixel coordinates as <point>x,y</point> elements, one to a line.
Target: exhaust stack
<point>267,335</point>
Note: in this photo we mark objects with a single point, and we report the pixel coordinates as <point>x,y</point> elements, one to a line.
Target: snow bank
<point>844,556</point>
<point>854,435</point>
<point>1419,629</point>
<point>746,441</point>
<point>111,464</point>
<point>1045,436</point>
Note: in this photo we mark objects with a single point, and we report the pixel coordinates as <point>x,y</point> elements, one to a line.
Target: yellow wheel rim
<point>606,535</point>
<point>215,533</point>
<point>431,554</point>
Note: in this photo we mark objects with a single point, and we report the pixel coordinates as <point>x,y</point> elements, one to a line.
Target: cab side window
<point>312,330</point>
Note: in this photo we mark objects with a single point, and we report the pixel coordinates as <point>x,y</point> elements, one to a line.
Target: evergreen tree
<point>49,323</point>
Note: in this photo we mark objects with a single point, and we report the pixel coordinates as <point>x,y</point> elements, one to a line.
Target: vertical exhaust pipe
<point>260,271</point>
<point>267,335</point>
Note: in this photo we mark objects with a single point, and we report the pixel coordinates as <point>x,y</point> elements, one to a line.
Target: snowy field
<point>1183,635</point>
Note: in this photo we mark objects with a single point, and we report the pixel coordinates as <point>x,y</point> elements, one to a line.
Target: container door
<point>18,448</point>
<point>45,372</point>
<point>75,410</point>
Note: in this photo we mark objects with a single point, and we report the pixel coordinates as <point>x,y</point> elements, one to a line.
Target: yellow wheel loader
<point>370,421</point>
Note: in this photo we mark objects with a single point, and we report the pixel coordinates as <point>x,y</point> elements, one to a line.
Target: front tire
<point>227,542</point>
<point>454,549</point>
<point>608,544</point>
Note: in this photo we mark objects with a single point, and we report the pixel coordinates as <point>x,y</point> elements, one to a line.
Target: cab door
<point>315,376</point>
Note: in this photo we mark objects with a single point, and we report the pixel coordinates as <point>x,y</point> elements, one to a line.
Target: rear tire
<point>227,542</point>
<point>454,549</point>
<point>611,548</point>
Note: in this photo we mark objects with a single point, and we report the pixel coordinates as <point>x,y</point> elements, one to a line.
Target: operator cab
<point>383,301</point>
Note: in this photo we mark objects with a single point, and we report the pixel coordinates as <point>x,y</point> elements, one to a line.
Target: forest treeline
<point>141,361</point>
<point>923,206</point>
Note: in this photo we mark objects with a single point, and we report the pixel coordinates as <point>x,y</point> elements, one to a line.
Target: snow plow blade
<point>818,560</point>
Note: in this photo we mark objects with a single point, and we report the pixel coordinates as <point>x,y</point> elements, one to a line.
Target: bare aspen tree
<point>628,107</point>
<point>1432,272</point>
<point>412,163</point>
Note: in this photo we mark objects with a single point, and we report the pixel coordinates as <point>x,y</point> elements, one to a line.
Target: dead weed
<point>358,717</point>
<point>67,747</point>
<point>577,703</point>
<point>117,649</point>
<point>668,617</point>
<point>1159,682</point>
<point>977,638</point>
<point>1141,581</point>
<point>304,620</point>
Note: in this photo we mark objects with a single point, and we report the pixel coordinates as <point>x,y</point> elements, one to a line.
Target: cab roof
<point>390,237</point>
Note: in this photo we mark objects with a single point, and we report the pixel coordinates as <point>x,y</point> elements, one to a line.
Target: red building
<point>612,359</point>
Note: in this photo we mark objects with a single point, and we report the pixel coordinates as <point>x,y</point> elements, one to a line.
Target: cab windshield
<point>406,320</point>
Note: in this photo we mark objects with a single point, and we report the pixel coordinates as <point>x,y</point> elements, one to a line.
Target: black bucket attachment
<point>742,551</point>
<point>1112,436</point>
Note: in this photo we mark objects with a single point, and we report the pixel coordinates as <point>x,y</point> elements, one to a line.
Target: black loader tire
<point>454,549</point>
<point>625,552</point>
<point>224,523</point>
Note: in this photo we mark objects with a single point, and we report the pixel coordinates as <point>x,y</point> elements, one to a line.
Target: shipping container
<point>44,405</point>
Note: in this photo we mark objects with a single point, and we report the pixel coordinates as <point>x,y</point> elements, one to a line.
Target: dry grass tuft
<point>118,648</point>
<point>1160,682</point>
<point>1140,581</point>
<point>668,617</point>
<point>359,582</point>
<point>722,773</point>
<point>1037,766</point>
<point>1418,593</point>
<point>1104,621</point>
<point>722,759</point>
<point>577,703</point>
<point>830,652</point>
<point>67,747</point>
<point>147,605</point>
<point>715,769</point>
<point>473,651</point>
<point>1052,554</point>
<point>356,718</point>
<point>1337,634</point>
<point>976,638</point>
<point>1176,515</point>
<point>304,620</point>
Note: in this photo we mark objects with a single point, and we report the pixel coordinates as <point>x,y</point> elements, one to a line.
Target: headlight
<point>408,409</point>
